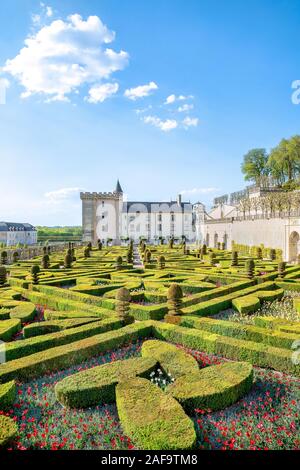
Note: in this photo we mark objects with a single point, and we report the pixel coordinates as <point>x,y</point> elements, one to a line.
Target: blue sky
<point>80,117</point>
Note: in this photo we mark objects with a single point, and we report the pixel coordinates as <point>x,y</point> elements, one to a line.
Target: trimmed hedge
<point>247,304</point>
<point>8,328</point>
<point>47,327</point>
<point>214,387</point>
<point>174,361</point>
<point>52,315</point>
<point>61,304</point>
<point>249,351</point>
<point>7,395</point>
<point>152,418</point>
<point>26,312</point>
<point>277,324</point>
<point>26,347</point>
<point>97,386</point>
<point>270,296</point>
<point>63,357</point>
<point>4,314</point>
<point>8,430</point>
<point>215,305</point>
<point>278,339</point>
<point>95,290</point>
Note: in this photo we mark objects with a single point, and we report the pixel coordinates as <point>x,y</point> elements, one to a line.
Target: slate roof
<point>172,206</point>
<point>15,227</point>
<point>119,188</point>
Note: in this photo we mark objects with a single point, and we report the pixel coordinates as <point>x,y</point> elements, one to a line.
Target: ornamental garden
<point>151,347</point>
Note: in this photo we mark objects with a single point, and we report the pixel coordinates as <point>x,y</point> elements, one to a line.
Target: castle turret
<point>119,189</point>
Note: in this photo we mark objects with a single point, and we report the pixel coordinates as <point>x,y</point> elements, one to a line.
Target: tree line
<point>280,167</point>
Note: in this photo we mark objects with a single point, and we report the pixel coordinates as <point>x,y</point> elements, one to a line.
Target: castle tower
<point>101,215</point>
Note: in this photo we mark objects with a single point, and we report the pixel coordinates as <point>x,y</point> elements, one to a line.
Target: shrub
<point>119,262</point>
<point>65,356</point>
<point>204,250</point>
<point>247,304</point>
<point>7,395</point>
<point>35,270</point>
<point>8,430</point>
<point>174,296</point>
<point>281,269</point>
<point>68,261</point>
<point>147,256</point>
<point>3,275</point>
<point>4,257</point>
<point>154,419</point>
<point>15,257</point>
<point>24,311</point>
<point>129,256</point>
<point>161,262</point>
<point>87,252</point>
<point>174,361</point>
<point>272,254</point>
<point>8,328</point>
<point>213,388</point>
<point>97,386</point>
<point>26,347</point>
<point>45,261</point>
<point>234,258</point>
<point>47,327</point>
<point>250,266</point>
<point>212,258</point>
<point>123,305</point>
<point>259,253</point>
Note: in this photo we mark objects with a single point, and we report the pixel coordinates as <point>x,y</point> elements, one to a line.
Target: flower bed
<point>267,417</point>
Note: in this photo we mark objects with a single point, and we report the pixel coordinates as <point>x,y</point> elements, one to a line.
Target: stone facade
<point>227,223</point>
<point>12,233</point>
<point>109,216</point>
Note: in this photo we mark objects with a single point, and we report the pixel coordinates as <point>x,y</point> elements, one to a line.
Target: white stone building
<point>252,224</point>
<point>12,233</point>
<point>108,216</point>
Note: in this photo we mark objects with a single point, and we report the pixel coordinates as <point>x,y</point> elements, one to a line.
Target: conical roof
<point>119,188</point>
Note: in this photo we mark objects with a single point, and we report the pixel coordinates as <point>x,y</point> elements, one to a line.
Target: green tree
<point>284,160</point>
<point>255,166</point>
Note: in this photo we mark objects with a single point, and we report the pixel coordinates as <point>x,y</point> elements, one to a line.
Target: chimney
<point>179,200</point>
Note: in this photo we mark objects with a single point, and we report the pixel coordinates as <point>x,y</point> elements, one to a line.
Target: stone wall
<point>281,233</point>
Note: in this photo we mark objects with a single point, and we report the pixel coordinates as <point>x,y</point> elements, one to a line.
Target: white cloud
<point>198,191</point>
<point>140,91</point>
<point>61,57</point>
<point>185,108</point>
<point>60,195</point>
<point>164,125</point>
<point>99,93</point>
<point>173,98</point>
<point>190,122</point>
<point>49,12</point>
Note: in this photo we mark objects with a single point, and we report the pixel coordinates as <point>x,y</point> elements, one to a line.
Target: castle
<point>251,217</point>
<point>107,216</point>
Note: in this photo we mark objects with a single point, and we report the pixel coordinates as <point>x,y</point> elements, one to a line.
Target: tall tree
<point>255,166</point>
<point>284,160</point>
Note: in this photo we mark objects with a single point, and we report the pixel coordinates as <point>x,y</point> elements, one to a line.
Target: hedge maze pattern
<point>65,309</point>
